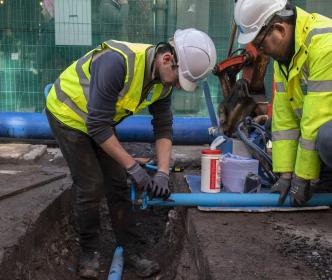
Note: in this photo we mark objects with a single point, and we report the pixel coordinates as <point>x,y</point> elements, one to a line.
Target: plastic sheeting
<point>234,170</point>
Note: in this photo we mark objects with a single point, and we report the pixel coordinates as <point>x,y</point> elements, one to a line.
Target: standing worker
<point>301,45</point>
<point>89,99</point>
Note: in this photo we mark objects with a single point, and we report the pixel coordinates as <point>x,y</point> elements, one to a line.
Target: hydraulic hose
<point>261,155</point>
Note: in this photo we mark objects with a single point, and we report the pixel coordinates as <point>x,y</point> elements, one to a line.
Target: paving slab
<point>21,152</point>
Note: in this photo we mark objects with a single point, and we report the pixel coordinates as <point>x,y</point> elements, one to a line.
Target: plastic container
<point>210,172</point>
<point>234,170</point>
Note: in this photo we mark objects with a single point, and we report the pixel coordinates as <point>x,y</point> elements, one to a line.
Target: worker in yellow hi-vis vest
<point>84,106</point>
<point>301,45</point>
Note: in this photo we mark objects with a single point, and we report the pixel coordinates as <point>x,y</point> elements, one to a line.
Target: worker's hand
<point>160,187</point>
<point>140,177</point>
<point>282,186</point>
<point>300,191</point>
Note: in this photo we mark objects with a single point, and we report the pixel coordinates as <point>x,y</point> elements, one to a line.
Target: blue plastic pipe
<point>117,265</point>
<point>234,200</point>
<point>192,131</point>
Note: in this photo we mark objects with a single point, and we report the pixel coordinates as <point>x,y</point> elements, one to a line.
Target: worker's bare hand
<point>140,177</point>
<point>282,187</point>
<point>300,191</point>
<point>160,185</point>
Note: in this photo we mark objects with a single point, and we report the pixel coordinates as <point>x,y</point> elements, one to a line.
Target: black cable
<point>237,50</point>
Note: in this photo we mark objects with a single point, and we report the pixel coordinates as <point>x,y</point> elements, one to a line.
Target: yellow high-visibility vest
<point>68,97</point>
<point>303,100</point>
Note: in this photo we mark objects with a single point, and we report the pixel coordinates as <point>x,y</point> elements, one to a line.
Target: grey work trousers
<point>94,172</point>
<point>324,143</point>
<point>324,148</point>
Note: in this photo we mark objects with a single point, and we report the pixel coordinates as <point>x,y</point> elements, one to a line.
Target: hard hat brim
<point>178,39</point>
<point>186,84</point>
<point>246,38</point>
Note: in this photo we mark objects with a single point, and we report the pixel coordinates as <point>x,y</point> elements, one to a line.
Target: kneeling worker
<point>301,46</point>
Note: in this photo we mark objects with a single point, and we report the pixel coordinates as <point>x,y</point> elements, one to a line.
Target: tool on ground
<point>252,183</point>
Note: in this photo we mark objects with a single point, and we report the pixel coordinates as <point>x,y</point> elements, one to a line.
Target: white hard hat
<point>196,56</point>
<point>251,15</point>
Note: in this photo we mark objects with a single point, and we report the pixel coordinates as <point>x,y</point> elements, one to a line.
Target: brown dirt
<point>55,256</point>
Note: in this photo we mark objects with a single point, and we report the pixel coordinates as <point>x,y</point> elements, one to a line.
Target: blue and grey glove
<point>140,177</point>
<point>282,187</point>
<point>160,185</point>
<point>300,191</point>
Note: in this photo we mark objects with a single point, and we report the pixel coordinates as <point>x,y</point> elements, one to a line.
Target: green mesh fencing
<point>39,38</point>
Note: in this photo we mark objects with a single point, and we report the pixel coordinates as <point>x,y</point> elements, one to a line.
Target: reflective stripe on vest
<point>61,96</point>
<point>305,71</point>
<point>164,93</point>
<point>317,31</point>
<point>320,86</point>
<point>307,144</point>
<point>83,79</point>
<point>298,112</point>
<point>84,82</point>
<point>285,135</point>
<point>131,63</point>
<point>280,87</point>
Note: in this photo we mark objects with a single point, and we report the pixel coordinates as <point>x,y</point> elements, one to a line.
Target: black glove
<point>160,186</point>
<point>300,191</point>
<point>140,177</point>
<point>282,186</point>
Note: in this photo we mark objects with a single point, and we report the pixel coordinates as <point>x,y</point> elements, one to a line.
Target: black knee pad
<point>324,143</point>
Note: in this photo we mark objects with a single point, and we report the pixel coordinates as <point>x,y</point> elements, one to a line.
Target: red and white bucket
<point>210,173</point>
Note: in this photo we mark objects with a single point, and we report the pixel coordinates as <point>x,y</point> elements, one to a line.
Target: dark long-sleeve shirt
<point>107,79</point>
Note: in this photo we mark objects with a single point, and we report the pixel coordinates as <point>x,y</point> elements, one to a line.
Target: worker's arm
<point>113,147</point>
<point>107,79</point>
<point>162,126</point>
<point>285,129</point>
<point>285,135</point>
<point>316,107</point>
<point>164,150</point>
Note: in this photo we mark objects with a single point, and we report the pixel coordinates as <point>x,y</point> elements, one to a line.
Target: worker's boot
<point>142,266</point>
<point>89,265</point>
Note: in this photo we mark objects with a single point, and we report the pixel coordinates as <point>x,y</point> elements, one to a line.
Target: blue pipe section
<point>186,130</point>
<point>117,265</point>
<point>47,89</point>
<point>24,125</point>
<point>209,103</point>
<point>234,200</point>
